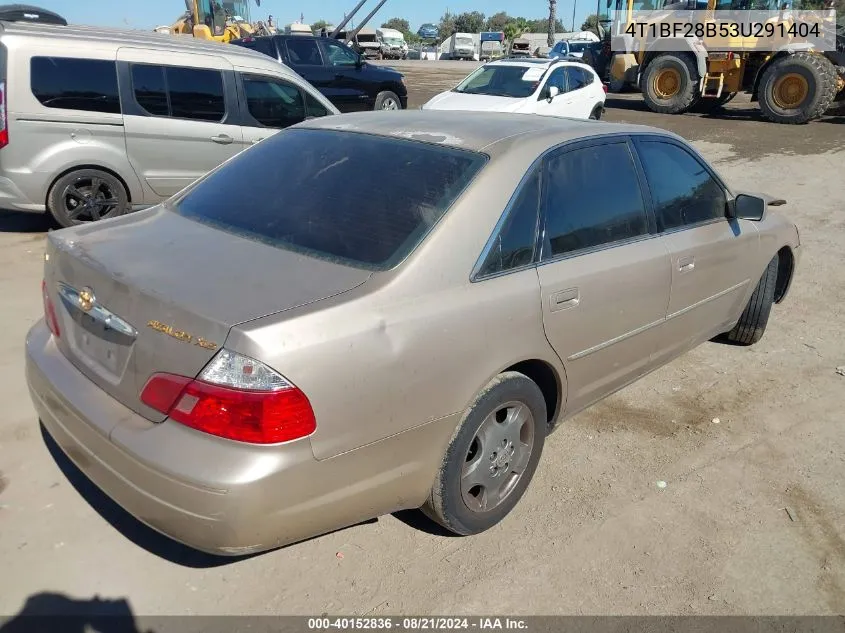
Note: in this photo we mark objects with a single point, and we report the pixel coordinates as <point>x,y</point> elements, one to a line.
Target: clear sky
<point>147,14</point>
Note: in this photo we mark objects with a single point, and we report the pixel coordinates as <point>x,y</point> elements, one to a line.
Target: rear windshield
<point>359,199</point>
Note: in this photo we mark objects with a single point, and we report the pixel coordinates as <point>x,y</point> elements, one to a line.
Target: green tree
<point>591,23</point>
<point>446,26</point>
<point>319,24</point>
<point>398,24</point>
<point>498,21</point>
<point>516,28</point>
<point>541,25</point>
<point>470,22</point>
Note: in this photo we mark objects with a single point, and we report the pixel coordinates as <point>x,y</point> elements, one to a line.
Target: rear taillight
<point>604,87</point>
<point>4,124</point>
<point>50,311</point>
<point>235,397</point>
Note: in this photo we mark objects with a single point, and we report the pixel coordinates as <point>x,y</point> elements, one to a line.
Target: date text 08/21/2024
<point>416,624</point>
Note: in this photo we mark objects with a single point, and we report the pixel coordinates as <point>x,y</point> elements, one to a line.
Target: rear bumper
<point>12,197</point>
<point>217,496</point>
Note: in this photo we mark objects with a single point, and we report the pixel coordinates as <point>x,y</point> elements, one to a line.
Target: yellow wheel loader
<point>791,79</point>
<point>216,20</point>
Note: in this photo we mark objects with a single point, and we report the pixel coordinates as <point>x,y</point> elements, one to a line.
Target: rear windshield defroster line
<point>357,199</point>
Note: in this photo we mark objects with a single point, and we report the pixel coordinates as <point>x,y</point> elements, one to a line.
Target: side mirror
<point>552,92</point>
<point>747,207</point>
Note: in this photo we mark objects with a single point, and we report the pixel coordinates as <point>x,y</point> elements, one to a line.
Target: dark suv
<point>337,71</point>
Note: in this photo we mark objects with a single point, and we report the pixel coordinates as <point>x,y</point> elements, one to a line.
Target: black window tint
<point>683,191</point>
<point>150,89</point>
<point>315,108</point>
<point>274,103</point>
<point>304,52</point>
<point>196,93</point>
<point>575,77</point>
<point>339,55</point>
<point>359,199</point>
<point>75,84</point>
<point>265,46</point>
<point>583,211</point>
<point>514,245</point>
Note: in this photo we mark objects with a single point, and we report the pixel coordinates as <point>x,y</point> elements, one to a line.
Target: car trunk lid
<point>156,292</point>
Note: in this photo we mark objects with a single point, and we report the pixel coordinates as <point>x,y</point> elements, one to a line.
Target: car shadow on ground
<point>47,612</point>
<point>140,534</point>
<point>416,520</point>
<point>20,222</point>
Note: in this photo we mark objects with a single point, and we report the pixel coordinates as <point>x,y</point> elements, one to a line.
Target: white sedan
<point>529,86</point>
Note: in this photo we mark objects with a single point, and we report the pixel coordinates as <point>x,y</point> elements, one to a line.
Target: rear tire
<point>597,112</point>
<point>670,84</point>
<point>388,101</point>
<point>491,457</point>
<point>752,324</point>
<point>797,88</point>
<point>87,195</point>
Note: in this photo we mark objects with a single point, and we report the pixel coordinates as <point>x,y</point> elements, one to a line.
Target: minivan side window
<point>516,241</point>
<point>583,210</point>
<point>182,93</point>
<point>274,104</point>
<point>683,191</point>
<point>75,84</point>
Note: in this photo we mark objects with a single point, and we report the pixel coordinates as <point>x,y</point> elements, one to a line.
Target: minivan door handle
<point>686,264</point>
<point>223,139</point>
<point>565,299</point>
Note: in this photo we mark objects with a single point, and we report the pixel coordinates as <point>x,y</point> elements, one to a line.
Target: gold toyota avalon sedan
<point>381,311</point>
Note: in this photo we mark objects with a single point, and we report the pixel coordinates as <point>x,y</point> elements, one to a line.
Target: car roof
<point>98,37</point>
<point>480,132</point>
<point>539,62</point>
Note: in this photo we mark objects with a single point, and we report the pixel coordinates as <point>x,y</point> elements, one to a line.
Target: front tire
<point>670,84</point>
<point>87,195</point>
<point>797,88</point>
<point>388,101</point>
<point>752,324</point>
<point>491,458</point>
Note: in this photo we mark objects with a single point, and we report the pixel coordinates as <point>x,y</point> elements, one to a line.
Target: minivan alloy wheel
<point>90,198</point>
<point>87,195</point>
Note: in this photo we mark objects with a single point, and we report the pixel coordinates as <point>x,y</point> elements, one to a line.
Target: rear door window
<point>582,211</point>
<point>265,46</point>
<point>182,93</point>
<point>75,84</point>
<point>304,52</point>
<point>196,94</point>
<point>274,103</point>
<point>359,199</point>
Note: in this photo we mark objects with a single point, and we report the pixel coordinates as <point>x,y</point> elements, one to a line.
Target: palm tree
<point>552,21</point>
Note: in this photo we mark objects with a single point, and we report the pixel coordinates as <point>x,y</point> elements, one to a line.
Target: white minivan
<point>95,122</point>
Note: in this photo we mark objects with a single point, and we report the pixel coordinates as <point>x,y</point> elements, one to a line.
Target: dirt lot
<point>594,534</point>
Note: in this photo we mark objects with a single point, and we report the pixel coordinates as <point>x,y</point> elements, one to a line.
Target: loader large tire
<point>670,83</point>
<point>797,88</point>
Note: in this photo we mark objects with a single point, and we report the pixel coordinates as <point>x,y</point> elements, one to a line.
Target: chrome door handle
<point>223,139</point>
<point>686,264</point>
<point>564,299</point>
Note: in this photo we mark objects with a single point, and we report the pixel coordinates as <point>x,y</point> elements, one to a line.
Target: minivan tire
<point>494,419</point>
<point>752,324</point>
<point>87,195</point>
<point>387,100</point>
